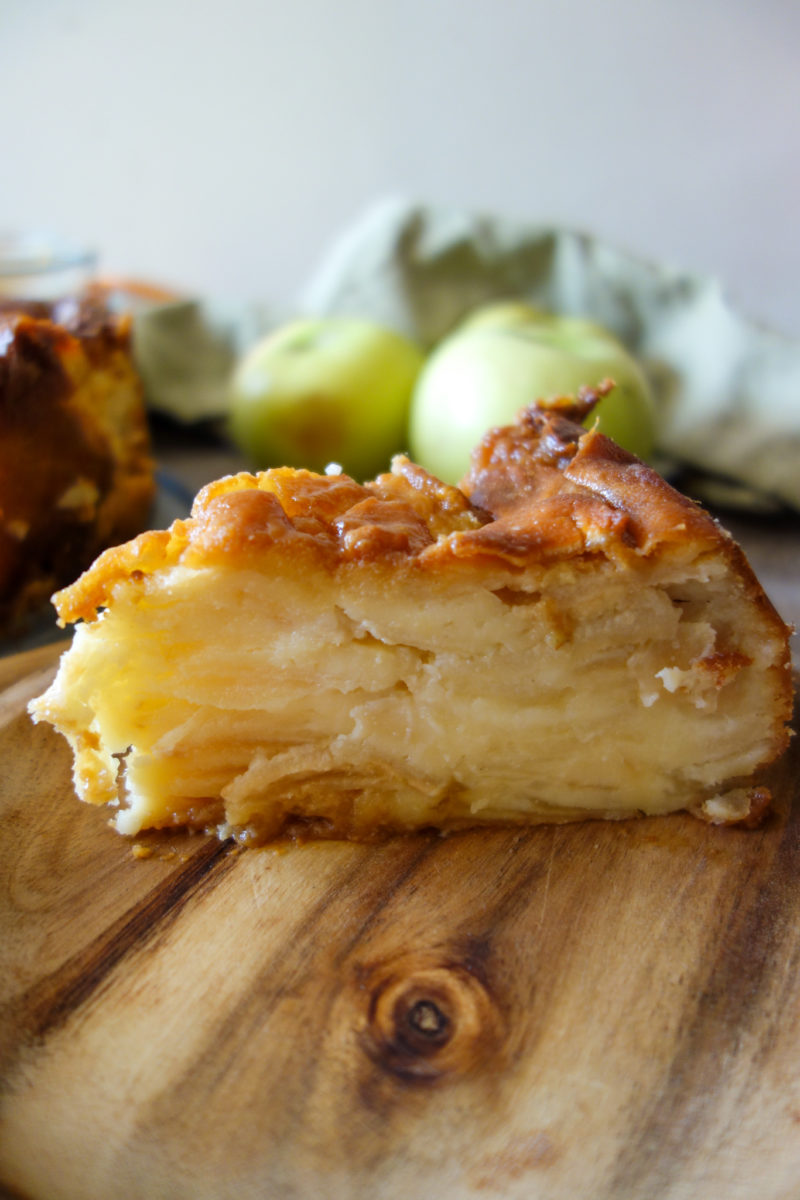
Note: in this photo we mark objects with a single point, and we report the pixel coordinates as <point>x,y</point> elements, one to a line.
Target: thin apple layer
<point>398,656</point>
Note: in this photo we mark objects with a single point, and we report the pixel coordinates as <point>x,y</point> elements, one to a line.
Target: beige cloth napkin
<point>727,390</point>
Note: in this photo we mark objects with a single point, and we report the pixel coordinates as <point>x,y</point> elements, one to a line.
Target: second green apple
<point>325,389</point>
<point>507,355</point>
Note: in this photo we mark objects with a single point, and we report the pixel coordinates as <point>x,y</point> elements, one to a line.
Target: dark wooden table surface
<point>623,998</point>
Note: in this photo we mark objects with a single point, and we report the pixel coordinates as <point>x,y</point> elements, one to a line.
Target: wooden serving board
<point>598,1010</point>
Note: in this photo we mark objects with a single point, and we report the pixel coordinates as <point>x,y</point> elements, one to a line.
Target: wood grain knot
<point>427,1018</point>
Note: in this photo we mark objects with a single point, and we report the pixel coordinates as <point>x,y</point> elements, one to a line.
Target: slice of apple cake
<point>563,637</point>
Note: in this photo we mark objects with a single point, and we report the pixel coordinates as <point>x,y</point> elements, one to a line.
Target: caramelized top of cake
<point>540,491</point>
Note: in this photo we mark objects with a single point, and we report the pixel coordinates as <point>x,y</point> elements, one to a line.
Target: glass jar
<point>42,266</point>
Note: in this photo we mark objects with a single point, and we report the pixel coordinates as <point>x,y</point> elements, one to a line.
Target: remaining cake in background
<point>75,469</point>
<point>564,637</point>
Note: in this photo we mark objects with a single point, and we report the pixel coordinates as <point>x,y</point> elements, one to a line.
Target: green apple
<point>507,355</point>
<point>503,314</point>
<point>325,389</point>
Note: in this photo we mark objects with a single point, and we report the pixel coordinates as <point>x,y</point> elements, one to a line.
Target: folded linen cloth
<point>186,349</point>
<point>727,390</point>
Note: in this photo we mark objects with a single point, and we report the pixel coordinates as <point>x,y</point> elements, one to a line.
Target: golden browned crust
<point>75,468</point>
<point>554,489</point>
<point>544,489</point>
<point>246,519</point>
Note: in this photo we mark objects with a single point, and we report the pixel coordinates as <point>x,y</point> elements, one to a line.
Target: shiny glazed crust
<point>75,467</point>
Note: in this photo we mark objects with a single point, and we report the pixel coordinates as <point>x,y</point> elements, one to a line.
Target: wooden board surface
<point>599,1010</point>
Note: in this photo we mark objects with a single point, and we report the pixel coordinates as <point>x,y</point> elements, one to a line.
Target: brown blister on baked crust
<point>75,468</point>
<point>555,489</point>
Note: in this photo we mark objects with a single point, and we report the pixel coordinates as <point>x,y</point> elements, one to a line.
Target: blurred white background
<point>222,146</point>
